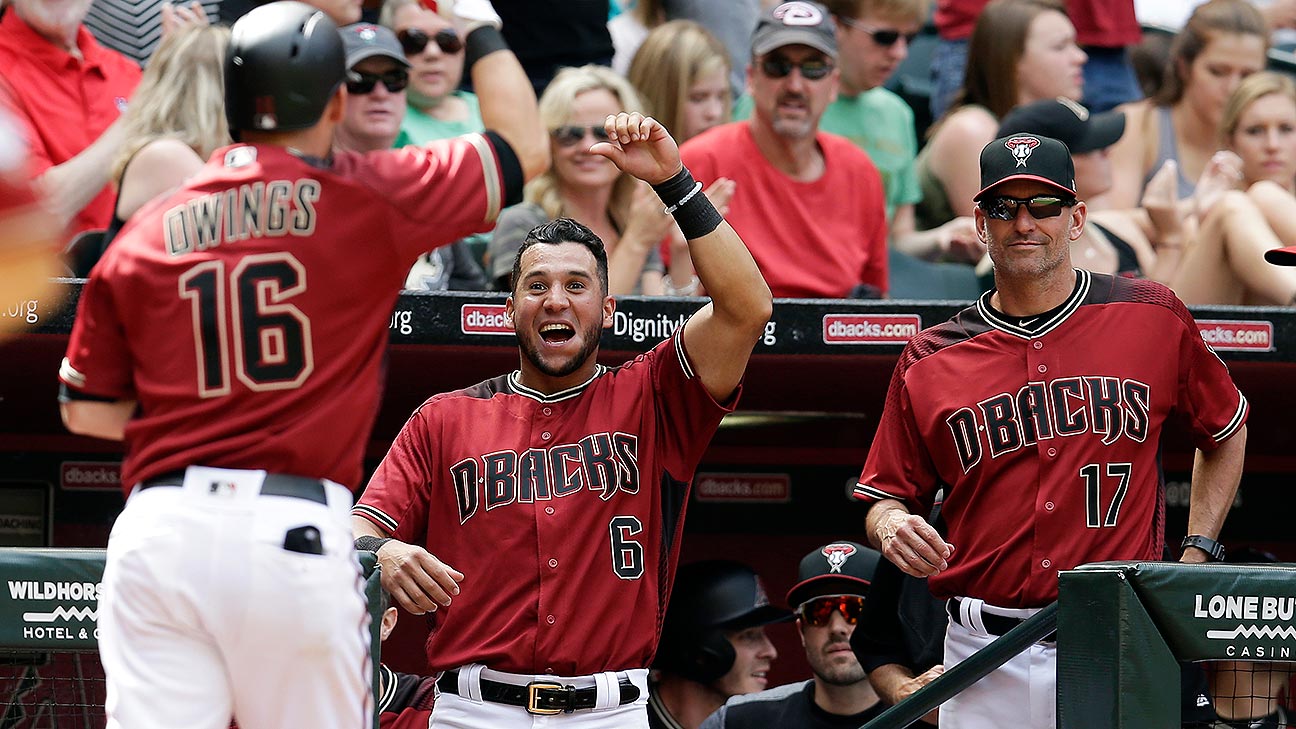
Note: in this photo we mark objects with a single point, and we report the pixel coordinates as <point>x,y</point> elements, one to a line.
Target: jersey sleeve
<point>687,415</point>
<point>899,465</point>
<point>1209,402</point>
<point>98,360</point>
<point>396,498</point>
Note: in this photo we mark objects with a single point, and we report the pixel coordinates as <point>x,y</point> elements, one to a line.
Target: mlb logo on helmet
<point>265,117</point>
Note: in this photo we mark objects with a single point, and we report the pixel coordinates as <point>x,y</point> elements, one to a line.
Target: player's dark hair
<point>563,230</point>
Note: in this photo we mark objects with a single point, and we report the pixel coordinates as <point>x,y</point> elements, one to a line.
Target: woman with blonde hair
<point>1223,42</point>
<point>682,70</point>
<point>587,187</point>
<point>175,121</point>
<point>1020,51</point>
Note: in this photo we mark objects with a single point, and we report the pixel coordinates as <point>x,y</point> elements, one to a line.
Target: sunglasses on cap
<point>881,37</point>
<point>571,134</point>
<point>812,69</point>
<point>360,83</point>
<point>413,41</point>
<point>818,611</point>
<point>1002,207</point>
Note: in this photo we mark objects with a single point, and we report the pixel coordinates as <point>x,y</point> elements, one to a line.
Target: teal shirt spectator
<point>419,128</point>
<point>880,123</point>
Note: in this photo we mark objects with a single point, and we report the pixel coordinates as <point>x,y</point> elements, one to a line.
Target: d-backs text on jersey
<point>604,463</point>
<point>255,210</point>
<point>1110,407</point>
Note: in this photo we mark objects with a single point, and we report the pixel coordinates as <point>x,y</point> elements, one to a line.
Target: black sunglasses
<point>1039,206</point>
<point>360,83</point>
<point>880,37</point>
<point>573,133</point>
<point>413,41</point>
<point>811,69</point>
<point>818,611</point>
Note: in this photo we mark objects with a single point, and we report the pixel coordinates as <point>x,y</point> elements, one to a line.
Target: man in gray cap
<point>829,597</point>
<point>377,74</point>
<point>808,204</point>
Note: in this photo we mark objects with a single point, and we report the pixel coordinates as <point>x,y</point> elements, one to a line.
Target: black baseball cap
<point>796,23</point>
<point>1282,256</point>
<point>720,594</point>
<point>839,568</point>
<point>1066,121</point>
<point>366,40</point>
<point>1027,157</point>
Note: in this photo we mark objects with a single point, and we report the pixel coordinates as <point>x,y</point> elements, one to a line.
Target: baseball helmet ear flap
<point>708,658</point>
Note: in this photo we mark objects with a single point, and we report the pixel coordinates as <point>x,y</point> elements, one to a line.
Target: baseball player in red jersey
<point>555,494</point>
<point>233,336</point>
<point>1040,409</point>
<point>28,248</point>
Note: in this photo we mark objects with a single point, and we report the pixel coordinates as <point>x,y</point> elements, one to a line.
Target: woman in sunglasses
<point>587,187</point>
<point>436,107</point>
<point>1020,51</point>
<point>175,121</point>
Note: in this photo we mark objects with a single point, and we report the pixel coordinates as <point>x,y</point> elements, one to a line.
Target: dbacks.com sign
<point>484,319</point>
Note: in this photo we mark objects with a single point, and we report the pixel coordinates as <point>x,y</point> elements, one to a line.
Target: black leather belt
<point>994,624</point>
<point>538,697</point>
<point>275,484</point>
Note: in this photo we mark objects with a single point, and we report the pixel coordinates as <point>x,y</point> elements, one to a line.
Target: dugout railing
<point>49,669</point>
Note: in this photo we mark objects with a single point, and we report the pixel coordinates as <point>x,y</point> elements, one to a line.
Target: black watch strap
<point>1212,548</point>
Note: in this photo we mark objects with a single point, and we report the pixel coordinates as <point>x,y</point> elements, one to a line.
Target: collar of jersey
<point>515,384</point>
<point>1044,325</point>
<point>388,687</point>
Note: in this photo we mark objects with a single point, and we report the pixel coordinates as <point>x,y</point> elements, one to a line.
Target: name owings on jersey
<point>255,210</point>
<point>603,463</point>
<point>1107,406</point>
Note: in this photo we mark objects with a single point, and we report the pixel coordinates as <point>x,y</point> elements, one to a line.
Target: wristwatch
<point>1212,548</point>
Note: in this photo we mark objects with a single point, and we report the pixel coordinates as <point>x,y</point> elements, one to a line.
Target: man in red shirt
<point>28,249</point>
<point>808,204</point>
<point>66,92</point>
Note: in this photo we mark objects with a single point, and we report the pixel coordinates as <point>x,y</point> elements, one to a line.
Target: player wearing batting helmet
<point>539,513</point>
<point>233,336</point>
<point>1041,410</point>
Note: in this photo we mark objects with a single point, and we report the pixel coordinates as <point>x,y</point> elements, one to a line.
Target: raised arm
<point>504,93</point>
<point>720,337</point>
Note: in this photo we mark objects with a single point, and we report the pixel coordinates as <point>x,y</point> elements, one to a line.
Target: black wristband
<point>1212,548</point>
<point>693,211</point>
<point>369,543</point>
<point>481,42</point>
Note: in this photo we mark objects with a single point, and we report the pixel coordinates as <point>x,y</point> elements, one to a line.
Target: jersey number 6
<point>627,554</point>
<point>272,339</point>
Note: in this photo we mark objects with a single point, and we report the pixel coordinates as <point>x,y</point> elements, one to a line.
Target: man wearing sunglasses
<point>1040,409</point>
<point>809,204</point>
<point>829,598</point>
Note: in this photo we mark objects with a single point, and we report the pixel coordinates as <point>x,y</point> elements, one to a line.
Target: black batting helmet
<point>285,60</point>
<point>708,599</point>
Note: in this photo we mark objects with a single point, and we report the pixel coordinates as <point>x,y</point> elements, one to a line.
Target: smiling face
<point>828,650</point>
<point>558,310</point>
<point>434,73</point>
<point>1027,247</point>
<point>573,164</point>
<point>1265,139</point>
<point>791,105</point>
<point>753,655</point>
<point>1051,64</point>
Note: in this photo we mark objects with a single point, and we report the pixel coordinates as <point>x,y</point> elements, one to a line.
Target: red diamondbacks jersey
<point>248,312</point>
<point>1048,443</point>
<point>564,512</point>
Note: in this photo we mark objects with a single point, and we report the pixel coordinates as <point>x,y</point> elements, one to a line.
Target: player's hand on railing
<point>917,682</point>
<point>416,580</point>
<point>912,544</point>
<point>639,145</point>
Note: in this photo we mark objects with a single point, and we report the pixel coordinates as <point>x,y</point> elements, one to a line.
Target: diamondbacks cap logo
<point>1021,148</point>
<point>837,554</point>
<point>798,13</point>
<point>367,33</point>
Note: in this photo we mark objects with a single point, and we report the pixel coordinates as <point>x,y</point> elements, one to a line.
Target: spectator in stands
<point>624,212</point>
<point>681,70</point>
<point>1020,51</point>
<point>28,237</point>
<point>809,204</point>
<point>373,119</point>
<point>713,643</point>
<point>1223,42</point>
<point>66,92</point>
<point>175,121</point>
<point>1105,29</point>
<point>438,108</point>
<point>729,21</point>
<point>832,584</point>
